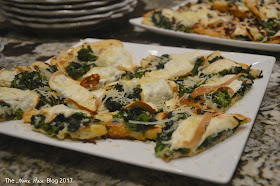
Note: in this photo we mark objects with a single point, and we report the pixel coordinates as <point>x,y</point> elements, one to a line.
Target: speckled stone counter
<point>259,163</point>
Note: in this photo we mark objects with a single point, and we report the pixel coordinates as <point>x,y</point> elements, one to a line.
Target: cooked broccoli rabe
<point>245,86</point>
<point>161,21</point>
<point>271,25</point>
<point>138,73</point>
<point>29,80</point>
<point>235,70</point>
<point>198,63</point>
<point>86,54</point>
<point>76,69</point>
<point>118,87</point>
<point>136,114</point>
<point>112,105</point>
<point>48,97</point>
<point>52,69</point>
<point>136,93</point>
<point>162,60</point>
<point>72,123</point>
<point>221,98</point>
<point>6,112</point>
<point>184,28</point>
<point>241,37</point>
<point>215,59</point>
<point>162,148</point>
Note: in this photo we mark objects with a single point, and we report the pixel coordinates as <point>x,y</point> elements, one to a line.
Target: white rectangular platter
<point>207,39</point>
<point>216,164</point>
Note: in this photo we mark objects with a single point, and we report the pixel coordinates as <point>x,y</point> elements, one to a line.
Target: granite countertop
<point>259,163</point>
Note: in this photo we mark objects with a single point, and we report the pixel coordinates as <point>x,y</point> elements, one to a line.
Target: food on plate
<point>72,91</point>
<point>257,21</point>
<point>187,135</point>
<point>14,102</point>
<point>61,121</point>
<point>81,59</point>
<point>179,101</point>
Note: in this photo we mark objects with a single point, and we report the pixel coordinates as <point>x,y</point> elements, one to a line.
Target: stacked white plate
<point>62,14</point>
<point>1,48</point>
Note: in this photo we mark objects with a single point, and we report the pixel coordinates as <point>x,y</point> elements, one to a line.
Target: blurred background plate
<point>64,12</point>
<point>68,5</point>
<point>117,13</point>
<point>64,19</point>
<point>22,18</point>
<point>1,46</point>
<point>50,1</point>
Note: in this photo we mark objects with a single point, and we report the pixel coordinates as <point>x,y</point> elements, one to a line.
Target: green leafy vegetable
<point>76,70</point>
<point>210,140</point>
<point>136,114</point>
<point>19,113</point>
<point>6,111</point>
<point>184,28</point>
<point>215,59</point>
<point>48,97</point>
<point>161,21</point>
<point>162,60</point>
<point>241,37</point>
<point>135,95</point>
<point>221,98</point>
<point>112,105</point>
<point>138,73</point>
<point>198,63</point>
<point>86,54</point>
<point>29,80</point>
<point>72,123</point>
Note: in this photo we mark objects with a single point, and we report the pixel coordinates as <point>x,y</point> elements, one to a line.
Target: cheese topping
<point>160,74</point>
<point>240,30</point>
<point>155,90</point>
<point>179,65</point>
<point>218,66</point>
<point>270,11</point>
<point>6,77</point>
<point>219,124</point>
<point>68,88</point>
<point>197,13</point>
<point>107,74</point>
<point>186,130</point>
<point>49,112</point>
<point>116,56</point>
<point>23,99</point>
<point>215,81</point>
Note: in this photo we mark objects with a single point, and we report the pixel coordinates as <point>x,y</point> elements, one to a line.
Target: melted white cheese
<point>185,131</point>
<point>155,90</point>
<point>6,77</point>
<point>241,6</point>
<point>240,30</point>
<point>234,85</point>
<point>107,74</point>
<point>24,99</point>
<point>187,128</point>
<point>68,88</point>
<point>218,124</point>
<point>218,66</point>
<point>179,65</point>
<point>115,56</point>
<point>59,109</point>
<point>197,13</point>
<point>270,11</point>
